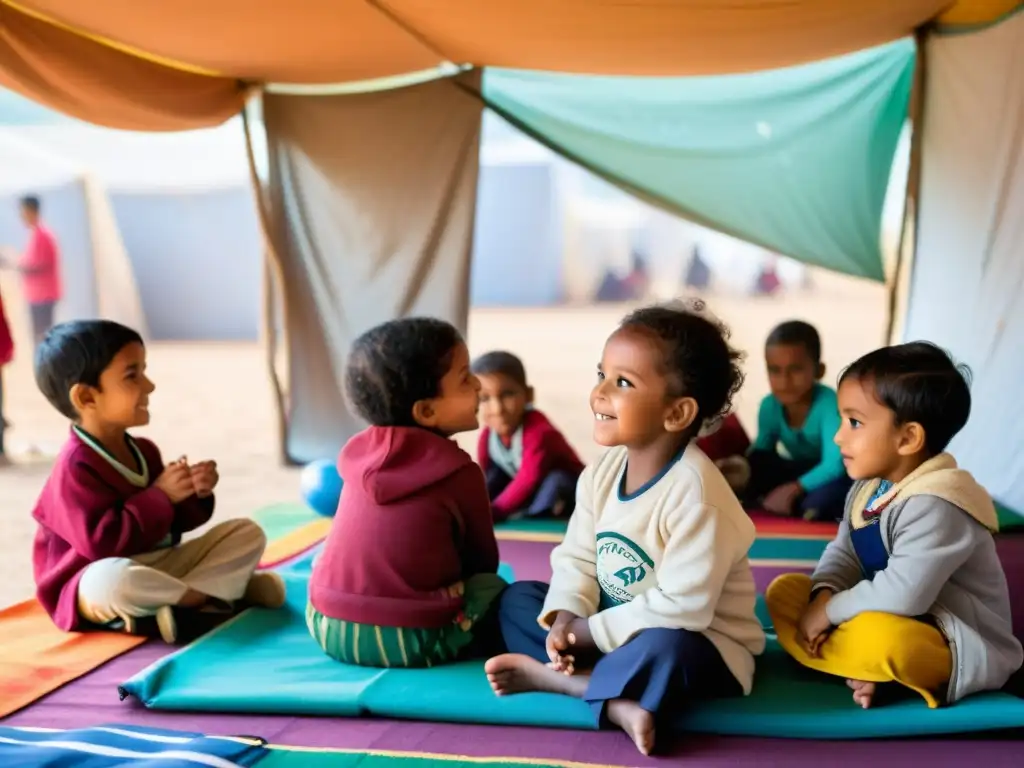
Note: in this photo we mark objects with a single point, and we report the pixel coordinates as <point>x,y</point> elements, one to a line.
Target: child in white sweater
<point>652,591</point>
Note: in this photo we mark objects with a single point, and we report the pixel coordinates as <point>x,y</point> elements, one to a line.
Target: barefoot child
<point>911,590</point>
<point>801,414</point>
<point>529,465</point>
<point>652,584</point>
<point>409,569</point>
<point>108,549</point>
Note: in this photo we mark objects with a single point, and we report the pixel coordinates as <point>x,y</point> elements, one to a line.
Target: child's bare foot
<point>515,673</point>
<point>636,721</point>
<point>863,692</point>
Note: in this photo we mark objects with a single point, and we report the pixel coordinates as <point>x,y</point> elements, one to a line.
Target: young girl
<point>409,567</point>
<point>652,585</point>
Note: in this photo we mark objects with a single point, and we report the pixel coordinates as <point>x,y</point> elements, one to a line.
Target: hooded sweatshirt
<point>413,522</point>
<point>936,526</point>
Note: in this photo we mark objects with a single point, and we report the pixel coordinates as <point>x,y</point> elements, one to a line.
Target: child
<point>911,590</point>
<point>528,463</point>
<point>6,355</point>
<point>801,414</point>
<point>652,581</point>
<point>409,569</point>
<point>108,549</point>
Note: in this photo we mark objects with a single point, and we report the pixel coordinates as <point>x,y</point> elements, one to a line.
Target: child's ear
<point>82,397</point>
<point>529,395</point>
<point>423,413</point>
<point>912,439</point>
<point>681,415</point>
<point>821,371</point>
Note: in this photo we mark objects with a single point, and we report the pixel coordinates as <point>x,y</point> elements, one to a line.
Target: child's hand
<point>814,625</point>
<point>781,500</point>
<point>176,482</point>
<point>579,636</point>
<point>558,641</point>
<point>204,478</point>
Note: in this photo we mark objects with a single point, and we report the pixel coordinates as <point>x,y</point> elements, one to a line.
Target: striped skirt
<point>370,645</point>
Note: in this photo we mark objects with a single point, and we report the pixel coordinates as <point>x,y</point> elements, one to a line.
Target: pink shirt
<point>41,267</point>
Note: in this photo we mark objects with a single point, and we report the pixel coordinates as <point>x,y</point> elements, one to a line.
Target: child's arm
<point>480,548</point>
<point>701,550</point>
<point>574,586</point>
<point>838,569</point>
<point>767,428</point>
<point>483,457</point>
<point>933,539</point>
<point>192,513</point>
<point>538,446</point>
<point>831,465</point>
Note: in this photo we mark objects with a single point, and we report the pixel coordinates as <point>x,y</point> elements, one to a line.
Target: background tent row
<point>370,196</point>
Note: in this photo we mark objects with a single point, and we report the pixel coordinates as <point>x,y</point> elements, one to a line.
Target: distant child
<point>409,570</point>
<point>108,550</point>
<point>911,590</point>
<point>801,415</point>
<point>652,587</point>
<point>6,355</point>
<point>529,465</point>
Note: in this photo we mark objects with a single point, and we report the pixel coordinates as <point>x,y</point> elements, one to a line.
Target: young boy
<point>108,549</point>
<point>911,590</point>
<point>801,415</point>
<point>529,465</point>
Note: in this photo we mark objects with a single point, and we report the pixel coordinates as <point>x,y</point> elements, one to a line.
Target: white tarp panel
<point>966,291</point>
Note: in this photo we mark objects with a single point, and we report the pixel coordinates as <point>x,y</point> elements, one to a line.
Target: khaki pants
<point>219,564</point>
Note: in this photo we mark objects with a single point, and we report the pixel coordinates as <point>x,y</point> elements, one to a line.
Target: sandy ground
<point>214,400</point>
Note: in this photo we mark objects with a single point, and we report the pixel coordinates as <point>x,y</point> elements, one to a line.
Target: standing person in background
<point>39,266</point>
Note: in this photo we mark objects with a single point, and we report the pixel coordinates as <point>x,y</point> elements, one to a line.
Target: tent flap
<point>372,199</point>
<point>797,160</point>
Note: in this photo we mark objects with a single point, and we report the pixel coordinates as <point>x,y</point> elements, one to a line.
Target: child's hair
<point>918,382</point>
<point>501,363</point>
<point>396,364</point>
<point>797,333</point>
<point>698,360</point>
<point>30,202</point>
<point>77,352</point>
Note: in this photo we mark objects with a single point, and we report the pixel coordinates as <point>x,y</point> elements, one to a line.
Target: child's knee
<point>105,590</point>
<point>788,595</point>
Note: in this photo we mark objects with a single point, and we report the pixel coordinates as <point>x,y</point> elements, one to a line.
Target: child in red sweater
<point>529,465</point>
<point>108,548</point>
<point>408,573</point>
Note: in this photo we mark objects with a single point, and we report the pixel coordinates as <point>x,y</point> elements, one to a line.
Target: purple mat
<point>93,700</point>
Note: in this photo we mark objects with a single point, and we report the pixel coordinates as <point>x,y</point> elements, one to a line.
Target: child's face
<point>455,408</point>
<point>791,372</point>
<point>122,397</point>
<point>503,403</point>
<point>631,401</point>
<point>870,441</point>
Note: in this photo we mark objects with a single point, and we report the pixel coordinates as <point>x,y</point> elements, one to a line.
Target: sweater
<point>413,522</point>
<point>811,443</point>
<point>673,554</point>
<point>88,510</point>
<point>544,449</point>
<point>937,527</point>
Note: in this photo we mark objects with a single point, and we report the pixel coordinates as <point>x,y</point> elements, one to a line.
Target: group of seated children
<point>650,608</point>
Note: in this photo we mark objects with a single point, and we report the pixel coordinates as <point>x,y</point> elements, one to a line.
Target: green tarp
<point>797,160</point>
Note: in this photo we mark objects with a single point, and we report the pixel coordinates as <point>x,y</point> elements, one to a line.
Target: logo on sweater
<point>622,567</point>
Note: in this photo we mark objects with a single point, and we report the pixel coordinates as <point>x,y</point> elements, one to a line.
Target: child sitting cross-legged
<point>408,573</point>
<point>108,550</point>
<point>911,591</point>
<point>529,465</point>
<point>651,602</point>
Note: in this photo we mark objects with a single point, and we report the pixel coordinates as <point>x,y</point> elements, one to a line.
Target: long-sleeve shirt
<point>811,442</point>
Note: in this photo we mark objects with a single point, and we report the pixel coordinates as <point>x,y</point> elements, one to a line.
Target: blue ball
<point>320,486</point>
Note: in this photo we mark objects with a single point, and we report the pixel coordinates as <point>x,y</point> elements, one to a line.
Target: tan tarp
<point>372,199</point>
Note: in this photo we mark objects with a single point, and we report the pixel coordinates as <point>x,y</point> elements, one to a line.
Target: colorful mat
<point>290,757</point>
<point>37,658</point>
<point>117,746</point>
<point>276,668</point>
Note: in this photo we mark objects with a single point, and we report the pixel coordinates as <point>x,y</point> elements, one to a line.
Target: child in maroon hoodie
<point>409,568</point>
<point>529,465</point>
<point>108,548</point>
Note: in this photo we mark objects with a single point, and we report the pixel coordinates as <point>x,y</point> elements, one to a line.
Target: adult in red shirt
<point>40,269</point>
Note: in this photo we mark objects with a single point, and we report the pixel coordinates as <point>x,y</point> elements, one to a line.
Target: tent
<point>781,131</point>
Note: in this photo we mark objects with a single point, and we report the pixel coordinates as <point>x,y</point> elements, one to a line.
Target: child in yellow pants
<point>911,590</point>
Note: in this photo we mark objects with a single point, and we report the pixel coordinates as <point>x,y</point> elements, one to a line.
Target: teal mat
<point>265,662</point>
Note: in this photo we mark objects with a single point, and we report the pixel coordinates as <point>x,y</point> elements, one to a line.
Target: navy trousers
<point>556,486</point>
<point>768,471</point>
<point>664,670</point>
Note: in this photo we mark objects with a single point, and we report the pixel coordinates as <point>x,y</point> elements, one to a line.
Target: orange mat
<point>36,658</point>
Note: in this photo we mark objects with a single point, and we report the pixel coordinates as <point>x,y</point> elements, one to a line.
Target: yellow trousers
<point>873,647</point>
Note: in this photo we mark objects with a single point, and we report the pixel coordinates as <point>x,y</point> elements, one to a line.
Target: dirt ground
<point>213,400</point>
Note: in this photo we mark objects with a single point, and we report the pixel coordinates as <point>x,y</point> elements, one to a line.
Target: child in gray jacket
<point>911,590</point>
